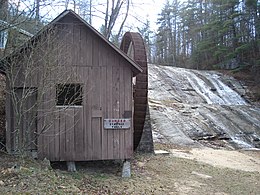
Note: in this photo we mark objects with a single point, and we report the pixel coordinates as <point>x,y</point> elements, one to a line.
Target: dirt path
<point>222,158</point>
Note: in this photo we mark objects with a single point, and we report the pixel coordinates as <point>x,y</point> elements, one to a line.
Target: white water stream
<point>188,105</point>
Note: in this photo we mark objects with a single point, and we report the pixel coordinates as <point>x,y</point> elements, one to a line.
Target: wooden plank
<point>70,45</point>
<point>79,134</point>
<point>40,140</point>
<point>141,85</point>
<point>57,135</point>
<point>122,97</point>
<point>95,51</point>
<point>62,134</point>
<point>70,142</point>
<point>76,44</point>
<point>26,128</point>
<point>109,114</point>
<point>19,122</point>
<point>128,107</point>
<point>116,114</point>
<point>89,91</point>
<point>97,113</point>
<point>47,134</point>
<point>97,140</point>
<point>30,118</point>
<point>62,44</point>
<point>52,113</point>
<point>79,119</point>
<point>88,48</point>
<point>83,46</point>
<point>96,105</point>
<point>86,110</point>
<point>103,54</point>
<point>104,134</point>
<point>44,127</point>
<point>141,92</point>
<point>35,108</point>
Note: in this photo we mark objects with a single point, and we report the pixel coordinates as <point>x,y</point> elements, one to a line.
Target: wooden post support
<point>71,166</point>
<point>126,171</point>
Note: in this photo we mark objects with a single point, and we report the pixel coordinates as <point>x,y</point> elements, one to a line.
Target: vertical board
<point>79,134</point>
<point>62,53</point>
<point>88,48</point>
<point>86,107</point>
<point>18,132</point>
<point>57,135</point>
<point>116,103</point>
<point>69,45</point>
<point>109,107</point>
<point>76,44</point>
<point>122,110</point>
<point>40,126</point>
<point>69,131</point>
<point>96,109</point>
<point>104,133</point>
<point>62,134</point>
<point>128,107</point>
<point>82,46</point>
<point>31,121</point>
<point>95,51</point>
<point>97,140</point>
<point>88,111</point>
<point>47,119</point>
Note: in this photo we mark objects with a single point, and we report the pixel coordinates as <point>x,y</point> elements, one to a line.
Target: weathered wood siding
<point>77,133</point>
<point>21,131</point>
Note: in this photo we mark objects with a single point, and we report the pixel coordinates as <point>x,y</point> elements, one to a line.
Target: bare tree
<point>3,9</point>
<point>82,7</point>
<point>36,76</point>
<point>113,14</point>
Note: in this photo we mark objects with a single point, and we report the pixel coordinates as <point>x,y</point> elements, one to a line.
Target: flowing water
<point>190,107</point>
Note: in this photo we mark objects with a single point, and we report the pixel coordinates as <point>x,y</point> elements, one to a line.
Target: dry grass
<point>150,175</point>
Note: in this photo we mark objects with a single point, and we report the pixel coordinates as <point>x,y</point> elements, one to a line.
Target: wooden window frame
<point>69,95</point>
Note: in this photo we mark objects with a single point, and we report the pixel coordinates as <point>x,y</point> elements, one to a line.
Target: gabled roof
<point>134,66</point>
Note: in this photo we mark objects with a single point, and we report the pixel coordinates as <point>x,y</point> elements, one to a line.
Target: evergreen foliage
<point>209,34</point>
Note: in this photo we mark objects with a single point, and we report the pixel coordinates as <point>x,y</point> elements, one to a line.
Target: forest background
<point>200,34</point>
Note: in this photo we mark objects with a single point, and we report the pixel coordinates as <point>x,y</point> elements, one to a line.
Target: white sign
<point>117,123</point>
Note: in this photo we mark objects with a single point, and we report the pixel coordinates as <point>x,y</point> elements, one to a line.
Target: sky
<point>140,11</point>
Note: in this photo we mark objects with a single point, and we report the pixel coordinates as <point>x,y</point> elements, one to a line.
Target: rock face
<point>190,107</point>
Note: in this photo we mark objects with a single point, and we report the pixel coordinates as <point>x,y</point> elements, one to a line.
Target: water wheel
<point>133,45</point>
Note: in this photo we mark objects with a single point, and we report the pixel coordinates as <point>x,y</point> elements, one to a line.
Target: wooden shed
<point>70,95</point>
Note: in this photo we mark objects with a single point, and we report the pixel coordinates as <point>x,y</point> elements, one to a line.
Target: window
<point>69,94</point>
<point>3,39</point>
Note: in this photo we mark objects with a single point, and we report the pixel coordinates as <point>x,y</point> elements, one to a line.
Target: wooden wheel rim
<point>133,45</point>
